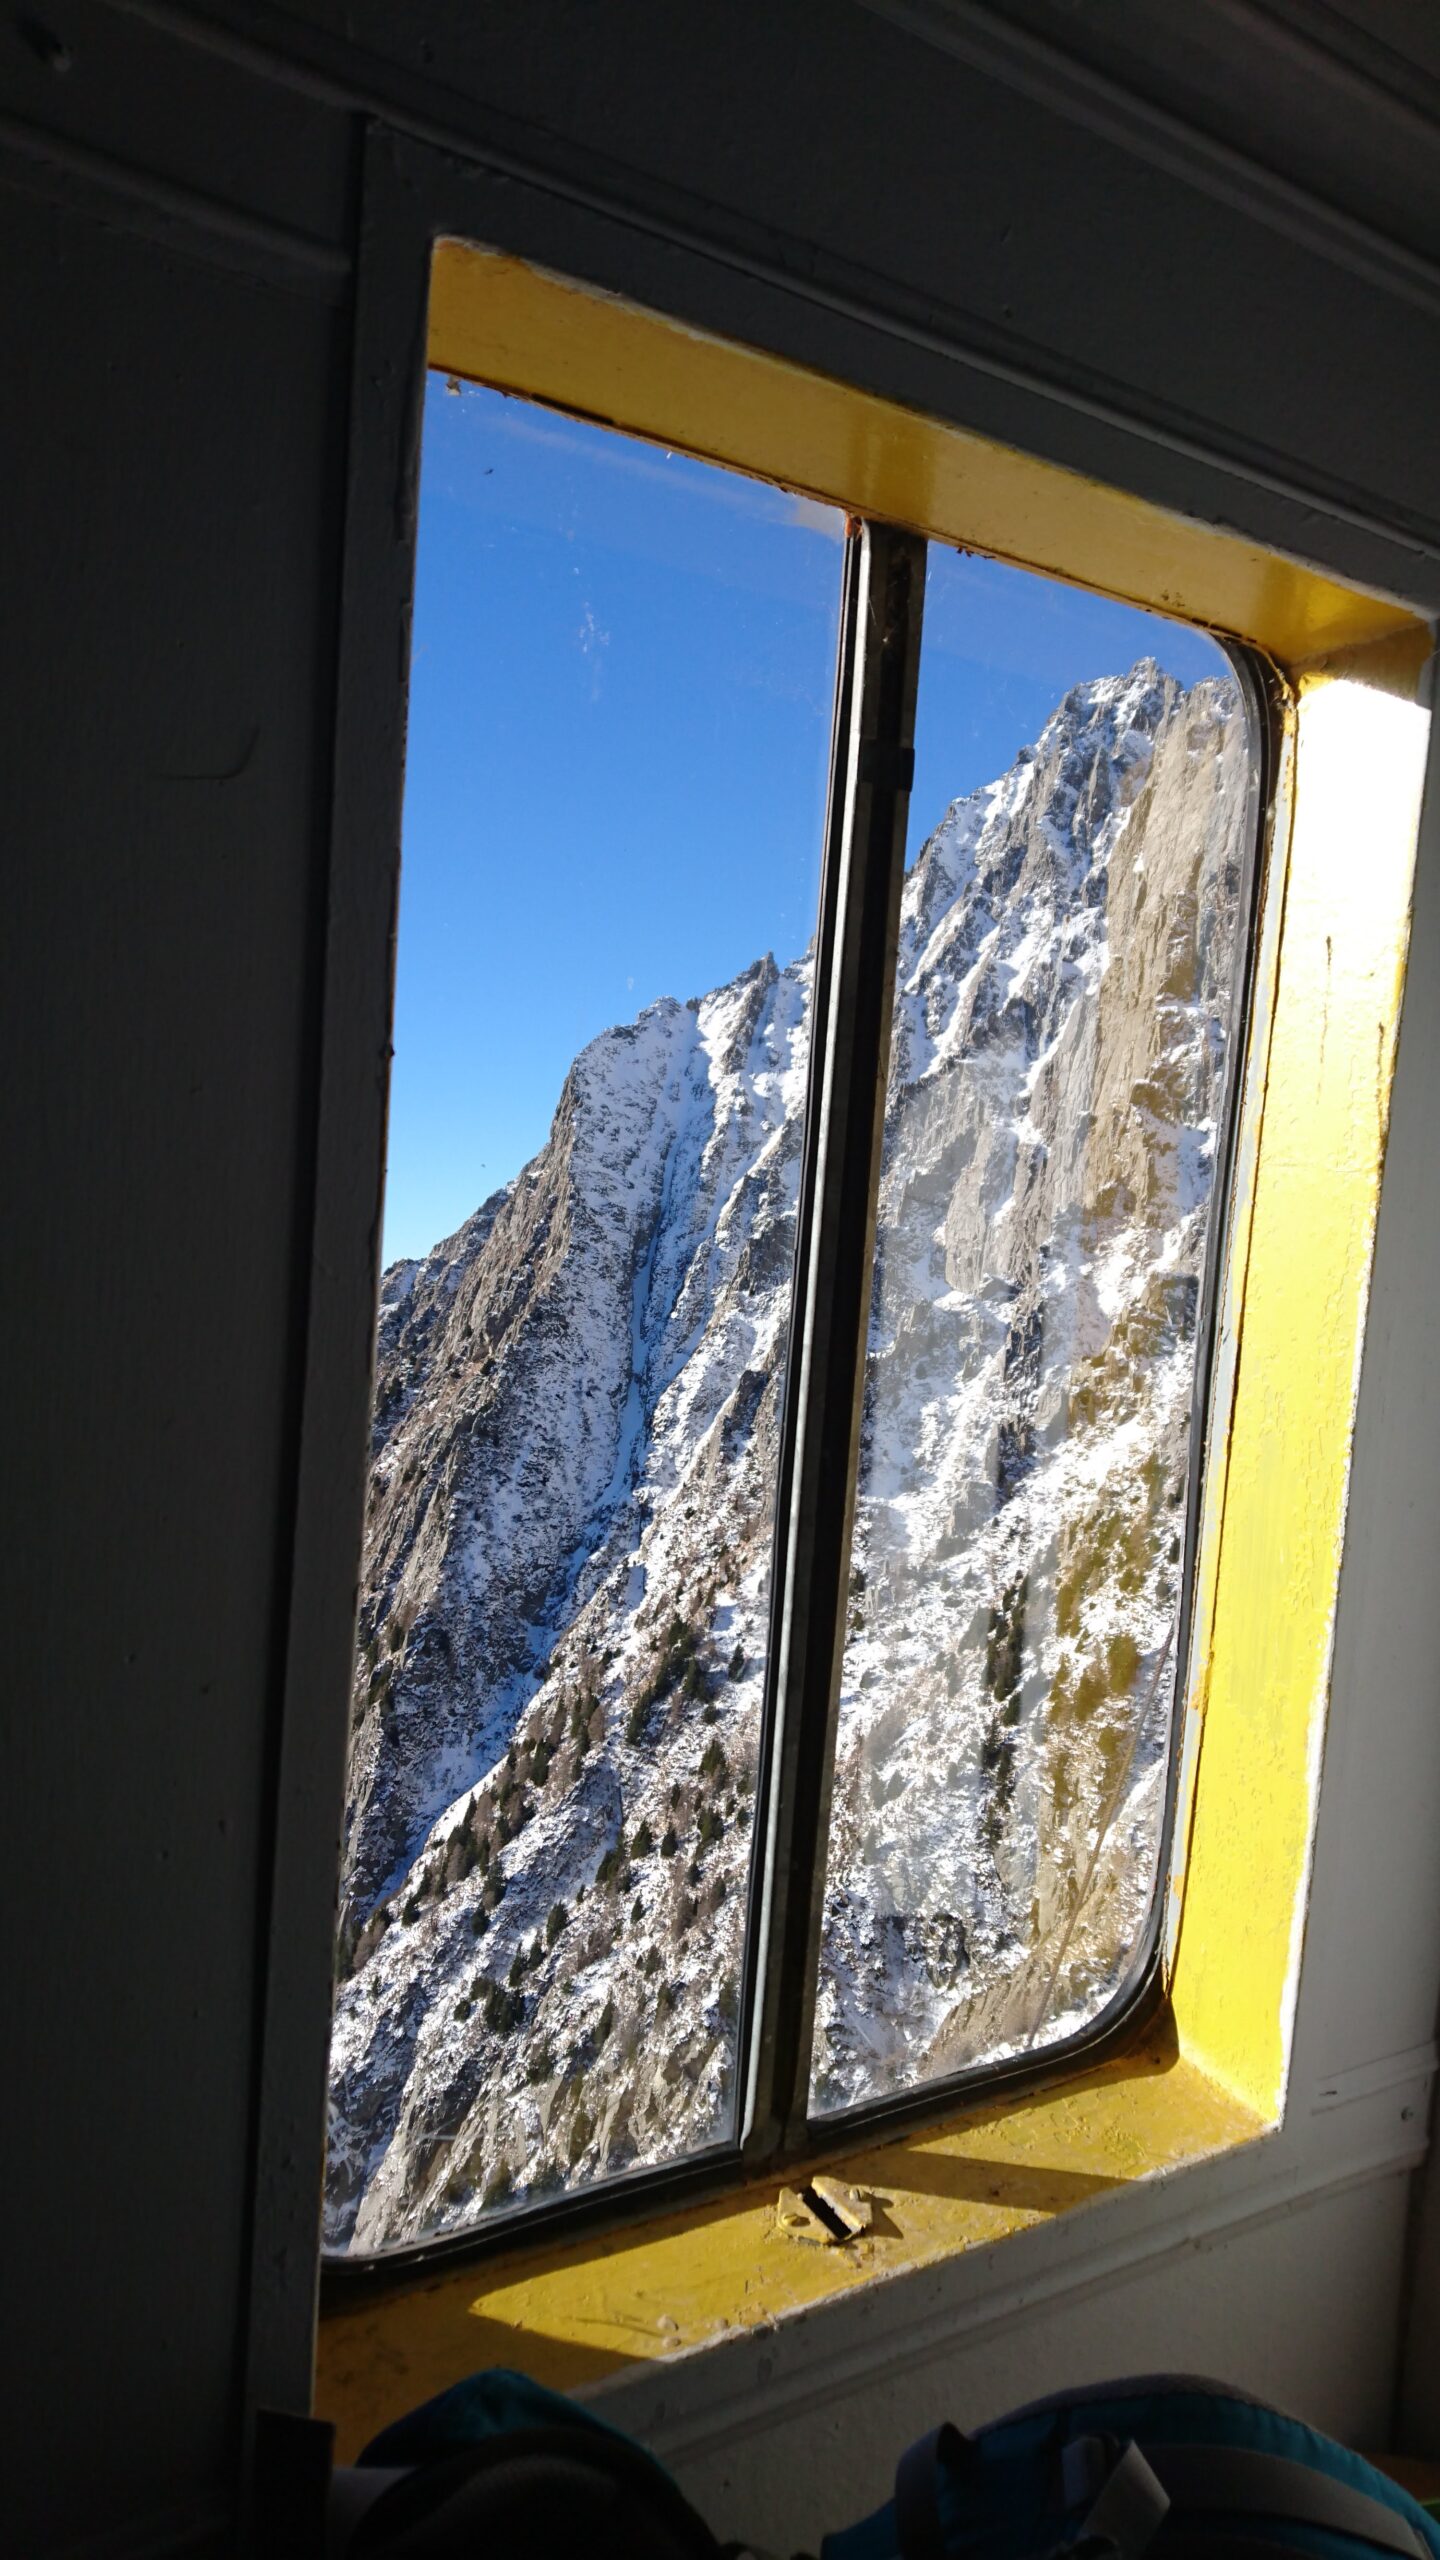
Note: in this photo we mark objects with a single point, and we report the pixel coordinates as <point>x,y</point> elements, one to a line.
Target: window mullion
<point>871,769</point>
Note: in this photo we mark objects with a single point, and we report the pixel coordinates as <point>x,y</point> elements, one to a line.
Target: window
<point>1063,1028</point>
<point>620,720</point>
<point>785,1470</point>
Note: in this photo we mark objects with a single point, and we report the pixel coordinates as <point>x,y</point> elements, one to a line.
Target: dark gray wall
<point>1083,257</point>
<point>173,481</point>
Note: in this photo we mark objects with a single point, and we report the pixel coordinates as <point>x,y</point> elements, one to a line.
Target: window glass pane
<point>1070,940</point>
<point>621,691</point>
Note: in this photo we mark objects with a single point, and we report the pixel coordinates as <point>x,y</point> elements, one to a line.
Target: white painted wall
<point>1297,2309</point>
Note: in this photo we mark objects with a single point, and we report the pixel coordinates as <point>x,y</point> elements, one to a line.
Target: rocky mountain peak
<point>566,1576</point>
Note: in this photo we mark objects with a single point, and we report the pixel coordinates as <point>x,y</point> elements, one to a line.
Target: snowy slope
<point>566,1571</point>
<point>1068,947</point>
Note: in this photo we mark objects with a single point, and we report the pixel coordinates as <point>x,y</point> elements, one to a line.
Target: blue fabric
<point>494,2403</point>
<point>1004,2502</point>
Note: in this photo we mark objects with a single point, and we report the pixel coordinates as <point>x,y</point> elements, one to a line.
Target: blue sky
<point>620,697</point>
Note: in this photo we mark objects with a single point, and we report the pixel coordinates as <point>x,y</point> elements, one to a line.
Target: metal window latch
<point>825,2213</point>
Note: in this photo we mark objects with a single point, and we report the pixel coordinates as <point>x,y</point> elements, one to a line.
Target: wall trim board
<point>1373,2079</point>
<point>177,217</point>
<point>1067,85</point>
<point>790,273</point>
<point>795,318</point>
<point>717,2396</point>
<point>341,1273</point>
<point>1350,52</point>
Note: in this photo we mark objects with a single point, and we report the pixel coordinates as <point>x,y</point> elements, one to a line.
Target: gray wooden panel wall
<point>176,394</point>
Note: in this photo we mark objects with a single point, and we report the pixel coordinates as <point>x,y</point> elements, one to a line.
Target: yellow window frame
<point>1333,928</point>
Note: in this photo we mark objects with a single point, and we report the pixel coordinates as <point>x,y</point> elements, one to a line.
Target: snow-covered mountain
<point>565,1591</point>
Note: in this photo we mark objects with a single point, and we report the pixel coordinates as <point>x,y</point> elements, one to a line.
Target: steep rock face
<point>1057,1085</point>
<point>563,1630</point>
<point>567,1563</point>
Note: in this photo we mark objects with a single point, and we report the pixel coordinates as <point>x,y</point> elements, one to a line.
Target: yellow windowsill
<point>573,2315</point>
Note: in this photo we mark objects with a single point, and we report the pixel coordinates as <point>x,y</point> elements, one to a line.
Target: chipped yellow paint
<point>1329,972</point>
<point>1275,1514</point>
<point>495,320</point>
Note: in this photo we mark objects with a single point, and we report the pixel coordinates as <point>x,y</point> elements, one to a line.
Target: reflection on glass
<point>621,691</point>
<point>1069,948</point>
